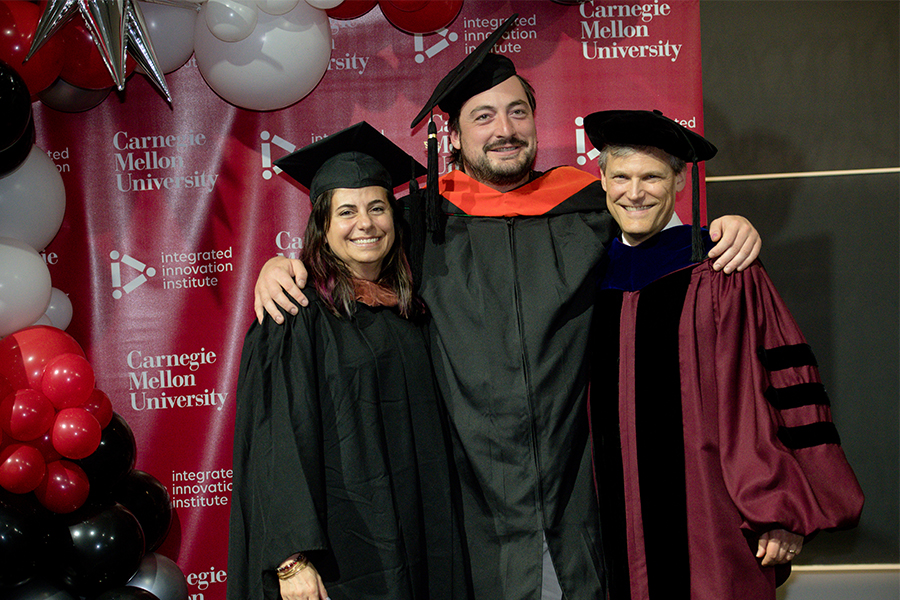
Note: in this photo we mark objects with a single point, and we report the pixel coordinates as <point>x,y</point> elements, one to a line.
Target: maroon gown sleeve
<point>781,456</point>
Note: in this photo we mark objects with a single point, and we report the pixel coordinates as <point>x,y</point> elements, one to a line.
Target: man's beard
<point>507,172</point>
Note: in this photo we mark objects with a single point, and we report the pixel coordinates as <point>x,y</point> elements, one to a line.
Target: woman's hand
<point>305,584</point>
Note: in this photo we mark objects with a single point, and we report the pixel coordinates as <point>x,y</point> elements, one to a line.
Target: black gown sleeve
<point>278,500</point>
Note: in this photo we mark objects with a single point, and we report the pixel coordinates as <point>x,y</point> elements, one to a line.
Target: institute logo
<point>265,151</point>
<point>442,42</point>
<point>138,272</point>
<point>584,155</point>
<point>178,270</point>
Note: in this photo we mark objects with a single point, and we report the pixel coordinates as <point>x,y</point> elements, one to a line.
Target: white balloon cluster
<point>259,60</point>
<point>256,54</point>
<point>32,203</point>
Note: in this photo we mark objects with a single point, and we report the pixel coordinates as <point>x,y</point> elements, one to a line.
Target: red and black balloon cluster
<point>70,494</point>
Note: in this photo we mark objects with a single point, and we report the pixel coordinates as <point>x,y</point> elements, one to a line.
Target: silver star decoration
<point>117,27</point>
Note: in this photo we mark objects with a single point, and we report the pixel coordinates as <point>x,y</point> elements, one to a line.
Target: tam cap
<point>647,128</point>
<point>652,128</point>
<point>346,159</point>
<point>478,72</point>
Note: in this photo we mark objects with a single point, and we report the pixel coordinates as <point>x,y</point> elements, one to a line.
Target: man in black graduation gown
<point>509,280</point>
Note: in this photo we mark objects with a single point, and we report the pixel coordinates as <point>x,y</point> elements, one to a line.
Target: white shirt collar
<point>673,222</point>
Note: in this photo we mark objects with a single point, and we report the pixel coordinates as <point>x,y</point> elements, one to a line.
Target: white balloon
<point>171,32</point>
<point>280,63</point>
<point>277,7</point>
<point>24,285</point>
<point>324,4</point>
<point>59,311</point>
<point>32,201</point>
<point>229,20</point>
<point>44,320</point>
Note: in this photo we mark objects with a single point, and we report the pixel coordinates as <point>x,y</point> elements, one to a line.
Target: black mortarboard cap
<point>478,72</point>
<point>652,128</point>
<point>346,159</point>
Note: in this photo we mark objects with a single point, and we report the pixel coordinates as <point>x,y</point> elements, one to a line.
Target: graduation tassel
<point>433,216</point>
<point>698,252</point>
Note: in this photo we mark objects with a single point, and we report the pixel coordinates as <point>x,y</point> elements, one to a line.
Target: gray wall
<point>811,86</point>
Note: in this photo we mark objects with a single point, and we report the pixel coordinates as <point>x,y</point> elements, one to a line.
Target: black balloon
<point>13,157</point>
<point>19,543</point>
<point>149,501</point>
<point>160,575</point>
<point>38,589</point>
<point>100,549</point>
<point>15,106</point>
<point>112,459</point>
<point>126,592</point>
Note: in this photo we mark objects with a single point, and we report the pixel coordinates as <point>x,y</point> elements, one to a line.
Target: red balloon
<point>18,22</point>
<point>22,468</point>
<point>351,9</point>
<point>434,16</point>
<point>26,415</point>
<point>68,380</point>
<point>83,65</point>
<point>44,445</point>
<point>99,405</point>
<point>76,433</point>
<point>5,388</point>
<point>408,5</point>
<point>25,353</point>
<point>64,487</point>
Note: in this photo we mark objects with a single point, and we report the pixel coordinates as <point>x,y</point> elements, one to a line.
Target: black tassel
<point>434,216</point>
<point>698,252</point>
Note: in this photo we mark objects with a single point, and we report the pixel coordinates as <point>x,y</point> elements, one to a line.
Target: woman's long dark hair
<point>331,278</point>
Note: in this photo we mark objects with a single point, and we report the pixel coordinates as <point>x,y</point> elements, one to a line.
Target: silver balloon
<point>116,26</point>
<point>161,577</point>
<point>140,47</point>
<point>106,22</point>
<point>56,14</point>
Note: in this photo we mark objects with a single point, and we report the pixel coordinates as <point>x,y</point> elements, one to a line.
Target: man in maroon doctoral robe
<point>719,455</point>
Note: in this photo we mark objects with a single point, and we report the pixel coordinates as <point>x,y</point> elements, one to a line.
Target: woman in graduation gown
<point>341,472</point>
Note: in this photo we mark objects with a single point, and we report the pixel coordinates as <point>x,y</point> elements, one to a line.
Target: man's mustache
<point>510,141</point>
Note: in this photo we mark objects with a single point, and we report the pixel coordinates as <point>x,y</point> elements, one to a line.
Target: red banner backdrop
<point>172,209</point>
